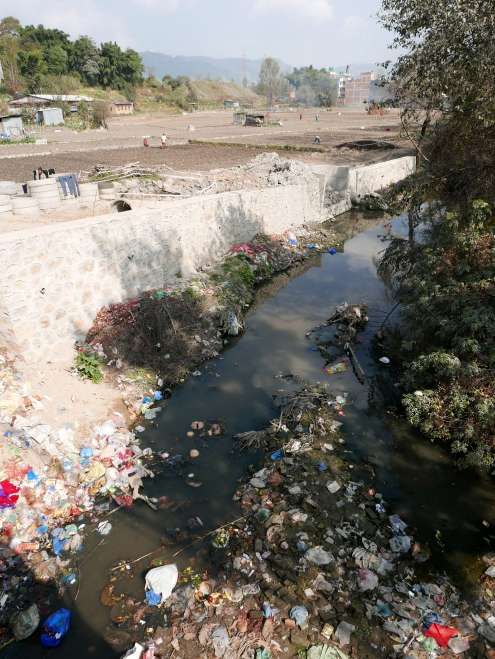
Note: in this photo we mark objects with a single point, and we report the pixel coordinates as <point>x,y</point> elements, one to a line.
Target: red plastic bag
<point>8,494</point>
<point>441,634</point>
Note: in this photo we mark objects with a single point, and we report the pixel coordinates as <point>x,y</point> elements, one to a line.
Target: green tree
<point>119,69</point>
<point>445,82</point>
<point>85,59</point>
<point>56,60</point>
<point>32,67</point>
<point>9,49</point>
<point>270,79</point>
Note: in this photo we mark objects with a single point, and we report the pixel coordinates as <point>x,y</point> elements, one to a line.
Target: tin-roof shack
<point>11,125</point>
<point>50,116</point>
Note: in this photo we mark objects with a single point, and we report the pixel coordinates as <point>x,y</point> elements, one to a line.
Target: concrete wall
<point>54,279</point>
<point>363,179</point>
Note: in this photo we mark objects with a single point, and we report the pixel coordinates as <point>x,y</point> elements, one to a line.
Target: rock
<point>318,556</point>
<point>343,633</point>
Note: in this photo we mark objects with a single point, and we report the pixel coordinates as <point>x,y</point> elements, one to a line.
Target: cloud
<point>314,9</point>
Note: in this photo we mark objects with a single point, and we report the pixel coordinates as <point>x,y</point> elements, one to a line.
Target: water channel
<point>417,478</point>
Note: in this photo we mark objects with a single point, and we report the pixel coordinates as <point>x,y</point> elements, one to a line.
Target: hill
<point>197,67</point>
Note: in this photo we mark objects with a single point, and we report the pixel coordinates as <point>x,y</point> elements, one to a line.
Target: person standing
<point>163,141</point>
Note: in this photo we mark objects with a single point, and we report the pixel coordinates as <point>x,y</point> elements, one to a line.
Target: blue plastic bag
<point>55,628</point>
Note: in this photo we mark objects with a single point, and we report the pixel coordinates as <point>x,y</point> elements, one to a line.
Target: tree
<point>270,79</point>
<point>314,86</point>
<point>32,68</point>
<point>445,82</point>
<point>119,69</point>
<point>85,59</point>
<point>9,49</point>
<point>56,60</point>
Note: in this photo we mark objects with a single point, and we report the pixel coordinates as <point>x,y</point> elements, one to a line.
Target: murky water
<point>416,477</point>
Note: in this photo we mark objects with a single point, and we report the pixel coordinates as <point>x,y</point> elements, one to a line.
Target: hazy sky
<point>300,32</point>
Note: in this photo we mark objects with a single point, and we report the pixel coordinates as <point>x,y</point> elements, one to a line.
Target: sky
<point>299,32</point>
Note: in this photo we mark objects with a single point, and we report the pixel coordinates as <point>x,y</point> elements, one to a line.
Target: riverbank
<point>318,566</point>
<point>61,478</point>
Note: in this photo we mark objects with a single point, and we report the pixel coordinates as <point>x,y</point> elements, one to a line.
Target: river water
<point>417,478</point>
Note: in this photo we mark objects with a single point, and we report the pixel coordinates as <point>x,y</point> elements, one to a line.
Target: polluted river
<point>450,510</point>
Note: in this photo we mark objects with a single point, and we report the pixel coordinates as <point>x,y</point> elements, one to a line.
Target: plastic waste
<point>333,487</point>
<point>332,251</point>
<point>55,628</point>
<point>459,645</point>
<point>318,556</point>
<point>152,598</point>
<point>25,622</point>
<point>134,653</point>
<point>300,616</point>
<point>277,455</point>
<point>325,652</point>
<point>162,580</point>
<point>343,632</point>
<point>441,634</point>
<point>220,640</point>
<point>400,544</point>
<point>334,369</point>
<point>384,360</point>
<point>8,494</point>
<point>263,653</point>
<point>104,528</point>
<point>367,580</point>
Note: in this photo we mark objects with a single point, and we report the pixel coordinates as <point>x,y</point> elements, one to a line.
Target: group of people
<point>163,141</point>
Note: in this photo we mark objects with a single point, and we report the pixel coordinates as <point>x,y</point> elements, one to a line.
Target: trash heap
<point>319,566</point>
<point>53,489</point>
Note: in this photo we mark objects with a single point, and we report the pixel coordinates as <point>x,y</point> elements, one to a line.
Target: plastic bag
<point>55,628</point>
<point>162,580</point>
<point>441,634</point>
<point>8,494</point>
<point>25,622</point>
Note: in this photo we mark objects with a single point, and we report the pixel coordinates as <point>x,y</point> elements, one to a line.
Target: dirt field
<point>68,150</point>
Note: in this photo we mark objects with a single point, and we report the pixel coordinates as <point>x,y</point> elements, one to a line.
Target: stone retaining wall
<point>54,279</point>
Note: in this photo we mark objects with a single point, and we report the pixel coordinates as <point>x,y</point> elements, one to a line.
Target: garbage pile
<point>318,567</point>
<point>54,488</point>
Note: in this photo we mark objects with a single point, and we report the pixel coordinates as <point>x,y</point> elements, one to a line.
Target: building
<point>39,100</point>
<point>11,125</point>
<point>119,108</point>
<point>357,90</point>
<point>49,116</point>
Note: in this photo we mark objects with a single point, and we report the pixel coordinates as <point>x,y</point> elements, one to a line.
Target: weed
<point>88,367</point>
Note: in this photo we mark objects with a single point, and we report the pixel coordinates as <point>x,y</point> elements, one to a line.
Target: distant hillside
<point>198,68</point>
